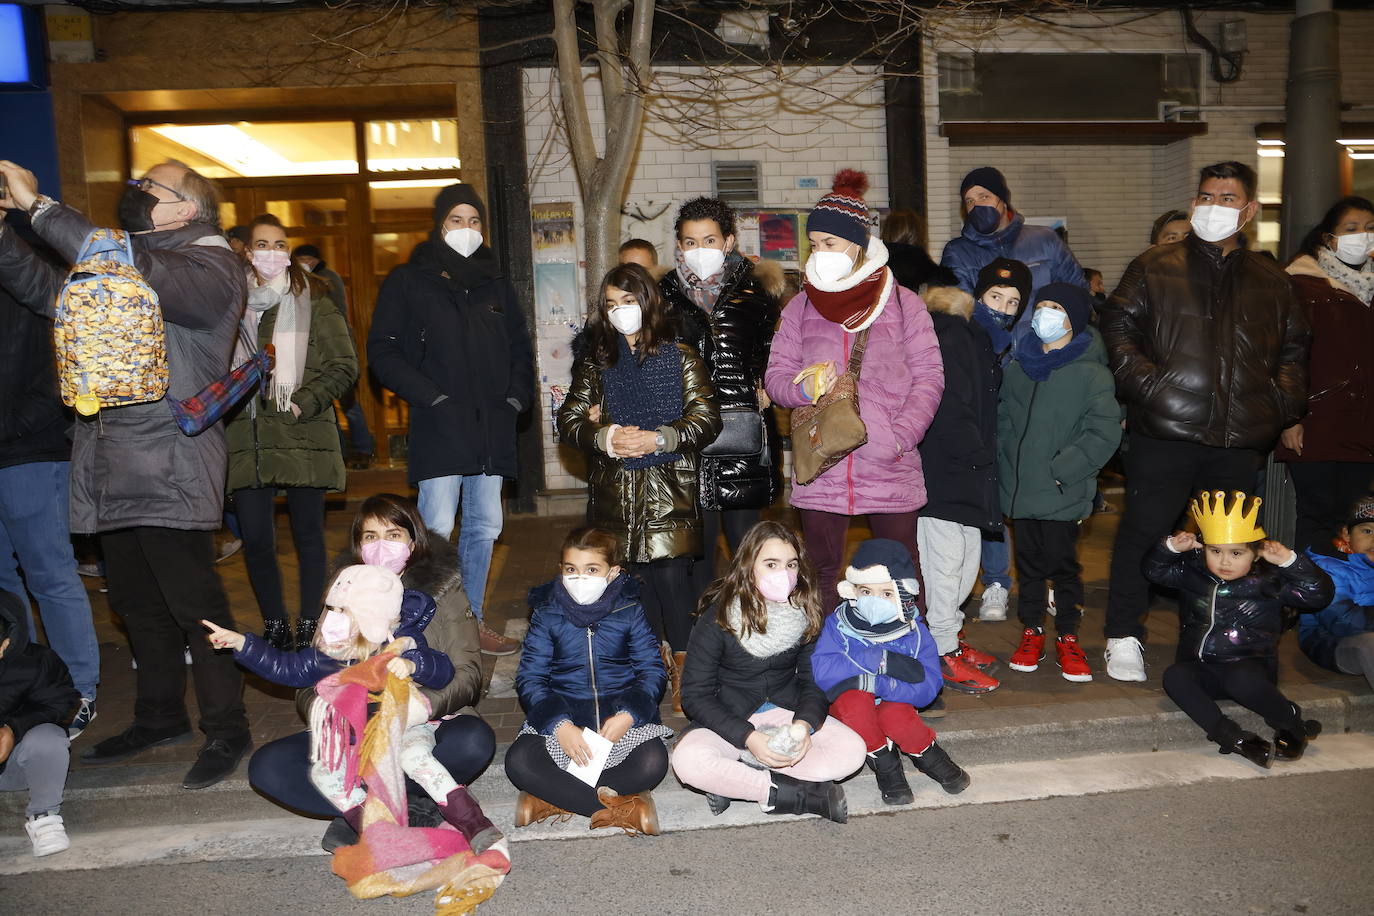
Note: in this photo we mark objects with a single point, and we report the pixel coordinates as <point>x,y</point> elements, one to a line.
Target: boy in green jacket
<point>1057,423</point>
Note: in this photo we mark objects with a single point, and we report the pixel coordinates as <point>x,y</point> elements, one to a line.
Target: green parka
<point>654,510</point>
<point>276,448</point>
<point>1054,435</point>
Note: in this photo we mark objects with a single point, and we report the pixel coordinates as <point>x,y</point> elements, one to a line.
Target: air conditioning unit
<point>736,183</point>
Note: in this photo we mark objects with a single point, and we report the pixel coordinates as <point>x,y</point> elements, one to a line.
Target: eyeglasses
<point>145,184</point>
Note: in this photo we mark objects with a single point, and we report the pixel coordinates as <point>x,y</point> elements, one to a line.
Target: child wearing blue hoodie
<point>878,665</point>
<point>1341,637</point>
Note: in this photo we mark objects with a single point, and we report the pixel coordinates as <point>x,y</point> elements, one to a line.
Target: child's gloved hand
<point>221,638</point>
<point>403,668</point>
<point>903,668</point>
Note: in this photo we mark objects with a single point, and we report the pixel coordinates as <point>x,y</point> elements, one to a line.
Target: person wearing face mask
<point>993,229</point>
<point>641,406</point>
<point>1057,424</point>
<point>450,338</point>
<point>878,664</point>
<point>851,295</point>
<point>1209,347</point>
<point>284,436</point>
<point>387,531</point>
<point>1330,454</point>
<point>154,495</point>
<point>726,308</point>
<point>590,662</point>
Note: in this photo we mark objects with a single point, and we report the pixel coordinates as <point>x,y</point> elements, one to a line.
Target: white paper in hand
<point>601,750</point>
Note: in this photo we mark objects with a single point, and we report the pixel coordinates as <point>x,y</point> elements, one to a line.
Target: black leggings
<point>1197,685</point>
<point>281,770</point>
<point>532,770</point>
<point>256,509</point>
<point>668,599</point>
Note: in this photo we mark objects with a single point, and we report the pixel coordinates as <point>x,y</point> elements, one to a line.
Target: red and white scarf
<point>855,301</point>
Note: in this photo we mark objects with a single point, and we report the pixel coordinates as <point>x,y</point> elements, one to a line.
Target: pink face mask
<point>336,627</point>
<point>270,262</point>
<point>392,555</point>
<point>777,585</point>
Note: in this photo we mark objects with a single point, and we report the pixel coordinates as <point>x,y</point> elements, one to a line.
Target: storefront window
<point>417,145</point>
<point>245,149</point>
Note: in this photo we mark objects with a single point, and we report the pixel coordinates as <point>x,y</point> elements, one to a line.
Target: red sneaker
<point>1027,655</point>
<point>983,661</point>
<point>1072,662</point>
<point>965,677</point>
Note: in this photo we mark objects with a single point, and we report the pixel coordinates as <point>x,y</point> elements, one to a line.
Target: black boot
<point>718,804</point>
<point>935,763</point>
<point>793,796</point>
<point>305,632</point>
<point>1250,746</point>
<point>1288,744</point>
<point>277,632</point>
<point>886,765</point>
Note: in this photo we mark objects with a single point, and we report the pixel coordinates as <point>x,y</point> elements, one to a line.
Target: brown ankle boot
<point>679,659</point>
<point>530,809</point>
<point>631,813</point>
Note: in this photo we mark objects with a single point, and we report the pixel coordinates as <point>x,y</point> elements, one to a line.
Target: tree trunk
<point>601,232</point>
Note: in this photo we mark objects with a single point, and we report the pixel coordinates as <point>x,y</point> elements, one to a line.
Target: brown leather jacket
<point>1206,348</point>
<point>653,510</point>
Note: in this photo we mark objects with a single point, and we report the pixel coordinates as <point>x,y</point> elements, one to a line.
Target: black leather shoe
<point>1290,745</point>
<point>218,758</point>
<point>338,834</point>
<point>305,633</point>
<point>1250,746</point>
<point>134,740</point>
<point>278,634</point>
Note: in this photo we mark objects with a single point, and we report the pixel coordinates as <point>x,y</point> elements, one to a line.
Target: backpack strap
<point>115,242</point>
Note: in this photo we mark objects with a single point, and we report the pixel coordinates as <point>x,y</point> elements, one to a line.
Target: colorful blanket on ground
<point>391,857</point>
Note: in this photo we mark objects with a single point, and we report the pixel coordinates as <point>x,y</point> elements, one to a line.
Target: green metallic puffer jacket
<point>275,448</point>
<point>653,510</point>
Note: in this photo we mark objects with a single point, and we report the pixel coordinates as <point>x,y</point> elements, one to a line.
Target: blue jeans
<point>482,520</point>
<point>35,536</point>
<point>996,561</point>
<point>362,441</point>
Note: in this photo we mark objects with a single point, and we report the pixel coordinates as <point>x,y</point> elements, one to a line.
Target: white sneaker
<point>1125,659</point>
<point>994,606</point>
<point>47,834</point>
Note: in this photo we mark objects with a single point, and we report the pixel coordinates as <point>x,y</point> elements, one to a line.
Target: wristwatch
<point>660,442</point>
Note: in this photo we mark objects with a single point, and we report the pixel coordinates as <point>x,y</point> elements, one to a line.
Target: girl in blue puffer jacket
<point>590,673</point>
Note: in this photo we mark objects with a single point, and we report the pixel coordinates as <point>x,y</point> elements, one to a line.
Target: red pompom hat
<point>843,211</point>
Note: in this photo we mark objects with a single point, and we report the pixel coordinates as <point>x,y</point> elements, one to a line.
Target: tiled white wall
<point>808,124</point>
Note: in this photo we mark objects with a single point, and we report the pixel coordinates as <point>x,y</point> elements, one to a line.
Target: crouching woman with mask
<point>590,663</point>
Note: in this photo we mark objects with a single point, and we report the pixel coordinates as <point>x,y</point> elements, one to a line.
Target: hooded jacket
<point>844,660</point>
<point>35,687</point>
<point>450,338</point>
<point>1339,424</point>
<point>1208,348</point>
<point>1053,436</point>
<point>585,675</point>
<point>1229,621</point>
<point>733,340</point>
<point>900,384</point>
<point>132,466</point>
<point>1350,613</point>
<point>959,451</point>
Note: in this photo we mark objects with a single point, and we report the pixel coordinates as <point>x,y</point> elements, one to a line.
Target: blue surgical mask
<point>877,610</point>
<point>984,219</point>
<point>1048,324</point>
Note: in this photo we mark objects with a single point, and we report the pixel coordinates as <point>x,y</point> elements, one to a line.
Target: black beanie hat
<point>1076,301</point>
<point>452,196</point>
<point>986,177</point>
<point>891,555</point>
<point>1005,272</point>
<point>307,251</point>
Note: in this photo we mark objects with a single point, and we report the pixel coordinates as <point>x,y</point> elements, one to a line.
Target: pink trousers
<point>706,761</point>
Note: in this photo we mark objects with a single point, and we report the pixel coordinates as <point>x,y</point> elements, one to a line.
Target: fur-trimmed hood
<point>771,277</point>
<point>435,575</point>
<point>949,300</point>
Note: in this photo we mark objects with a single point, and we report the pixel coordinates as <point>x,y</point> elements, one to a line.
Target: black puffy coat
<point>35,687</point>
<point>1208,348</point>
<point>913,268</point>
<point>959,451</point>
<point>733,340</point>
<point>33,422</point>
<point>440,331</point>
<point>1228,621</point>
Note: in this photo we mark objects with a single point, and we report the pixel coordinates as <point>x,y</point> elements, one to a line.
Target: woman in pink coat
<point>848,289</point>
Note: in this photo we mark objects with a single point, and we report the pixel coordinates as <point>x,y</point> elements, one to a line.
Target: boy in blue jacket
<point>1341,637</point>
<point>877,664</point>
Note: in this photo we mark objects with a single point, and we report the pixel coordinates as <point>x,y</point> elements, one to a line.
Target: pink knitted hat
<point>372,596</point>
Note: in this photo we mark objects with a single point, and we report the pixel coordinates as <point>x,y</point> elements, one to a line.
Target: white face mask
<point>1215,223</point>
<point>585,589</point>
<point>463,241</point>
<point>627,319</point>
<point>1048,324</point>
<point>704,262</point>
<point>335,627</point>
<point>832,266</point>
<point>1355,247</point>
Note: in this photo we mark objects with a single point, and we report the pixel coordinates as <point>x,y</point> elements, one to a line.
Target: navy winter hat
<point>452,196</point>
<point>1076,300</point>
<point>986,177</point>
<point>891,557</point>
<point>1005,272</point>
<point>843,212</point>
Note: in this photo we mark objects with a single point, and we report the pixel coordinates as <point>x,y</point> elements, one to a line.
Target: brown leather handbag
<point>825,432</point>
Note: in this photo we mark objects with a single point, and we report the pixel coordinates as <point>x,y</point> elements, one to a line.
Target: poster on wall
<point>556,300</point>
<point>554,237</point>
<point>778,238</point>
<point>747,235</point>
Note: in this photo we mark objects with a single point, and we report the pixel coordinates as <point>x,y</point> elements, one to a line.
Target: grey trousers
<point>1355,655</point>
<point>39,763</point>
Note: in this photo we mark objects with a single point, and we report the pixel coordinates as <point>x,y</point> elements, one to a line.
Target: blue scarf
<point>1038,364</point>
<point>999,333</point>
<point>586,615</point>
<point>647,395</point>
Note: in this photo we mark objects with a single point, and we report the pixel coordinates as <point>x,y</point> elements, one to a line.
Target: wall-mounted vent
<point>736,183</point>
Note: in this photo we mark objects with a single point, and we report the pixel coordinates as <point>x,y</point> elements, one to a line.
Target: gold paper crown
<point>1219,526</point>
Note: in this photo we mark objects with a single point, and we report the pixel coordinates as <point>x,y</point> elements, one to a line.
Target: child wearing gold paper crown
<point>1233,586</point>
